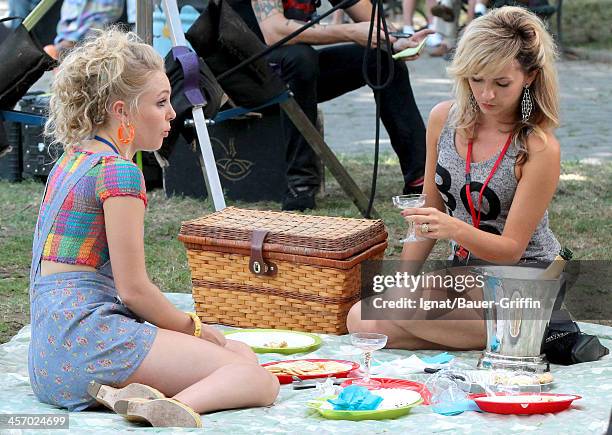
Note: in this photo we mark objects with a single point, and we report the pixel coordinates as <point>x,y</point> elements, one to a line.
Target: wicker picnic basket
<point>264,269</point>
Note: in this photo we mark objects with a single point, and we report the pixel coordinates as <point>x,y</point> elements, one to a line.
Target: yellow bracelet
<point>197,324</point>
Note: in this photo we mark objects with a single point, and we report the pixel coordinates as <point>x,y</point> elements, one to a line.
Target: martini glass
<point>410,201</point>
<point>368,342</point>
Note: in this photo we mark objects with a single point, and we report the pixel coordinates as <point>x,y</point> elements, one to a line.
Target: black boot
<point>299,198</point>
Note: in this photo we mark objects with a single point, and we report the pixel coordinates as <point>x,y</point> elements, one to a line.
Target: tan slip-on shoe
<point>158,412</point>
<point>107,395</point>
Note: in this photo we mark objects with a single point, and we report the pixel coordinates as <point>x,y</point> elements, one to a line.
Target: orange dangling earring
<point>121,135</point>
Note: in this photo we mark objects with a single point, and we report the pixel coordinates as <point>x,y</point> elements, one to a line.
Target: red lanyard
<point>468,179</point>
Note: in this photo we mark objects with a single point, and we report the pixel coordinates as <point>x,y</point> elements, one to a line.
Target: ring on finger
<point>424,228</point>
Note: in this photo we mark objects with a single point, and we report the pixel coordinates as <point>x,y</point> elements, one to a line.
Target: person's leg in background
<point>79,17</point>
<point>403,121</point>
<point>478,8</point>
<point>435,39</point>
<point>131,13</point>
<point>448,29</point>
<point>299,68</point>
<point>444,9</point>
<point>340,72</point>
<point>408,8</point>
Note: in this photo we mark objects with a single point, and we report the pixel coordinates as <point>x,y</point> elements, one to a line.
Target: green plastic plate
<point>297,342</point>
<point>376,414</point>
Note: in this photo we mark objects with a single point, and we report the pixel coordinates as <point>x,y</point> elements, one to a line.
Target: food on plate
<point>307,368</point>
<point>511,379</point>
<point>276,344</point>
<point>546,378</point>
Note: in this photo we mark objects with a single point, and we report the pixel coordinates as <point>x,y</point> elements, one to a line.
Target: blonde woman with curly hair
<point>90,342</point>
<point>492,168</point>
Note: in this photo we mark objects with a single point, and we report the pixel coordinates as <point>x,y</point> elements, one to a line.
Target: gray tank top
<point>497,197</point>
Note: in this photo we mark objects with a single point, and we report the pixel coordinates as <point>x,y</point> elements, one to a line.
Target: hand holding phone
<point>399,35</point>
<point>411,51</point>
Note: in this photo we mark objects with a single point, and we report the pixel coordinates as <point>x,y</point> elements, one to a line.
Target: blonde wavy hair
<point>488,45</point>
<point>110,65</point>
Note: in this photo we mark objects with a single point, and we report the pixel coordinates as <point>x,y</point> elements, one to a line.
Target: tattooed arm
<point>275,26</point>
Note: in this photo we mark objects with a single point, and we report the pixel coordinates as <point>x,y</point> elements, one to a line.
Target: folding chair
<point>22,62</point>
<point>222,38</point>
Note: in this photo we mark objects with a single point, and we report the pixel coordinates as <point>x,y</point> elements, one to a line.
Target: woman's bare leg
<point>397,337</point>
<point>205,376</point>
<point>460,329</point>
<point>408,7</point>
<point>414,334</point>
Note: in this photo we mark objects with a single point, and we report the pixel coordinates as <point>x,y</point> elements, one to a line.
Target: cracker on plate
<point>276,344</point>
<point>307,368</point>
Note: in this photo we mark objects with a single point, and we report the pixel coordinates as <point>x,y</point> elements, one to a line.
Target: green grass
<point>597,45</point>
<point>580,216</point>
<point>586,22</point>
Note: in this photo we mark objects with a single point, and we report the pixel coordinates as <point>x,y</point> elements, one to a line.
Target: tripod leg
<point>211,176</point>
<point>314,139</point>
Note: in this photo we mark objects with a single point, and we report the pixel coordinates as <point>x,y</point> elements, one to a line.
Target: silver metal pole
<point>37,13</point>
<point>173,19</point>
<point>144,20</point>
<point>211,176</point>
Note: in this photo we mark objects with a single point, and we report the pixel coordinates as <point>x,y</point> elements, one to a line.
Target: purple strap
<point>191,73</point>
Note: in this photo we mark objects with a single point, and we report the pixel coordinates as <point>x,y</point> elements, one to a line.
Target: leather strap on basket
<point>257,264</point>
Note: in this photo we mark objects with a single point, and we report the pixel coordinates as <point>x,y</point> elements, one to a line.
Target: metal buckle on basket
<point>257,268</point>
<point>257,264</point>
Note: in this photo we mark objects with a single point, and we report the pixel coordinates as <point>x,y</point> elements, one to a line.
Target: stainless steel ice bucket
<point>518,310</point>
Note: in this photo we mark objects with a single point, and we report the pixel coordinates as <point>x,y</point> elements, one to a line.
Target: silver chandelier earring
<point>526,104</point>
<point>473,103</point>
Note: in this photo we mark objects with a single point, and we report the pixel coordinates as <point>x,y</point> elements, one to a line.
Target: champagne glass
<point>410,201</point>
<point>368,342</point>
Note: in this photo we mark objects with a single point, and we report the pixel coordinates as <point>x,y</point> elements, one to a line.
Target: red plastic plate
<point>286,379</point>
<point>519,404</point>
<point>399,383</point>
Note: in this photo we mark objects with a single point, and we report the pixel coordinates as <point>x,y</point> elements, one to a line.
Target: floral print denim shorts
<point>81,331</point>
